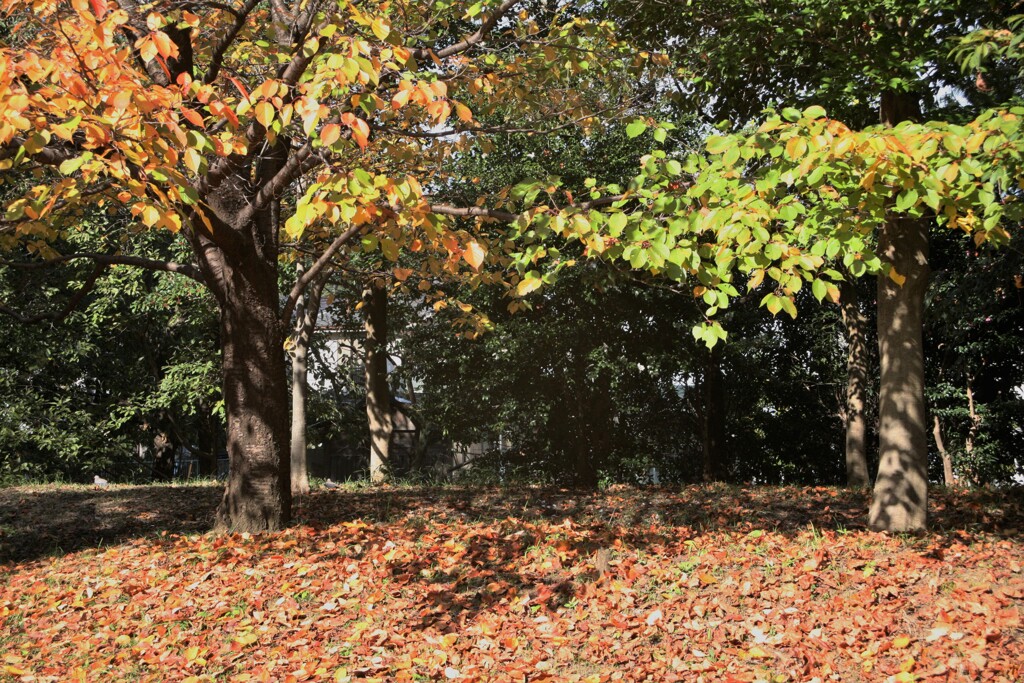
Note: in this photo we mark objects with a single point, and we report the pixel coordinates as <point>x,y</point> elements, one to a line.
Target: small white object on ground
<point>100,481</point>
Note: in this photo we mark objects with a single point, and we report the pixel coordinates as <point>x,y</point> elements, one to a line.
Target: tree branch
<point>217,60</point>
<point>71,305</point>
<point>469,41</point>
<point>321,263</point>
<point>104,260</point>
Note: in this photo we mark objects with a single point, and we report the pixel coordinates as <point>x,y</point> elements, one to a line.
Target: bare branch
<point>509,217</point>
<point>217,60</point>
<point>321,263</point>
<point>469,41</point>
<point>71,305</point>
<point>104,260</point>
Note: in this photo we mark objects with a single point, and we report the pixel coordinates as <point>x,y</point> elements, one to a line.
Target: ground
<point>437,584</point>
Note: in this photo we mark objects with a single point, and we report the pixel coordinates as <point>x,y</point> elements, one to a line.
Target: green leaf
<point>814,112</point>
<point>616,224</point>
<point>717,144</point>
<point>635,128</point>
<point>69,166</point>
<point>819,289</point>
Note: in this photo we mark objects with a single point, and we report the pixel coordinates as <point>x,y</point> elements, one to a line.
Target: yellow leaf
<point>150,215</point>
<point>896,277</point>
<point>463,112</point>
<point>400,99</point>
<point>528,285</point>
<point>264,113</point>
<point>379,28</point>
<point>192,160</point>
<point>474,254</point>
<point>901,642</point>
<point>247,638</point>
<point>191,653</point>
<point>796,148</point>
<point>756,278</point>
<point>758,653</point>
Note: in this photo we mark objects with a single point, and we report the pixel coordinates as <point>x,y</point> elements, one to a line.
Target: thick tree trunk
<point>258,493</point>
<point>378,395</point>
<point>900,501</point>
<point>948,478</point>
<point>239,264</point>
<point>901,488</point>
<point>306,312</point>
<point>855,323</point>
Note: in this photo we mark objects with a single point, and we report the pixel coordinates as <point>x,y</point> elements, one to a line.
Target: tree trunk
<point>378,395</point>
<point>900,500</point>
<point>306,312</point>
<point>239,264</point>
<point>855,323</point>
<point>948,478</point>
<point>713,427</point>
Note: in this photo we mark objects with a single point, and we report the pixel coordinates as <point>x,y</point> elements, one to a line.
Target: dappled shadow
<point>40,521</point>
<point>36,522</point>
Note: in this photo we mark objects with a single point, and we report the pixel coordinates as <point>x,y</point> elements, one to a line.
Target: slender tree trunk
<point>972,431</point>
<point>713,427</point>
<point>949,479</point>
<point>900,501</point>
<point>855,323</point>
<point>306,312</point>
<point>378,395</point>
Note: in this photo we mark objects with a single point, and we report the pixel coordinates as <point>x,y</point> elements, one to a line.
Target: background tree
<point>202,120</point>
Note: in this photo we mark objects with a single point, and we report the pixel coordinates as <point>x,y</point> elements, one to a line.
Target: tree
<point>203,118</point>
<point>891,195</point>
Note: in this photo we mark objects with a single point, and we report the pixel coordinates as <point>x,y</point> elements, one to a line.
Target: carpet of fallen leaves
<point>438,584</point>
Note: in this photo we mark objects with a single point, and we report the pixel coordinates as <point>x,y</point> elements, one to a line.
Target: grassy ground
<point>423,584</point>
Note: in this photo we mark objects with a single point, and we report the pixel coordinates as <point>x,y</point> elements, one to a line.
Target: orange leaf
<point>330,134</point>
<point>193,117</point>
<point>474,254</point>
<point>400,99</point>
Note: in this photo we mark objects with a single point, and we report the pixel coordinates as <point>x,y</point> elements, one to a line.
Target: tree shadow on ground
<point>41,521</point>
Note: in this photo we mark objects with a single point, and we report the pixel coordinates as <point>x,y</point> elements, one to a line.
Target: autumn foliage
<point>719,584</point>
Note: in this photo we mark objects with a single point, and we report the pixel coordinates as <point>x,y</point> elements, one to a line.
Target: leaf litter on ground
<point>439,584</point>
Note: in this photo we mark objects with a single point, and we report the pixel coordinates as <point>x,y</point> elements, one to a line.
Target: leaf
<point>796,147</point>
<point>814,112</point>
<point>330,134</point>
<point>379,28</point>
<point>528,285</point>
<point>636,128</point>
<point>264,113</point>
<point>474,254</point>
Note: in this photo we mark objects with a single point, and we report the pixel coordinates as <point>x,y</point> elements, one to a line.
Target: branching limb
<point>105,260</point>
<point>72,304</point>
<point>314,270</point>
<point>469,41</point>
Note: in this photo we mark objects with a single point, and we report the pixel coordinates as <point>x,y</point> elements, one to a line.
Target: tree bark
<point>855,323</point>
<point>378,395</point>
<point>306,313</point>
<point>948,478</point>
<point>900,500</point>
<point>713,423</point>
<point>239,264</point>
